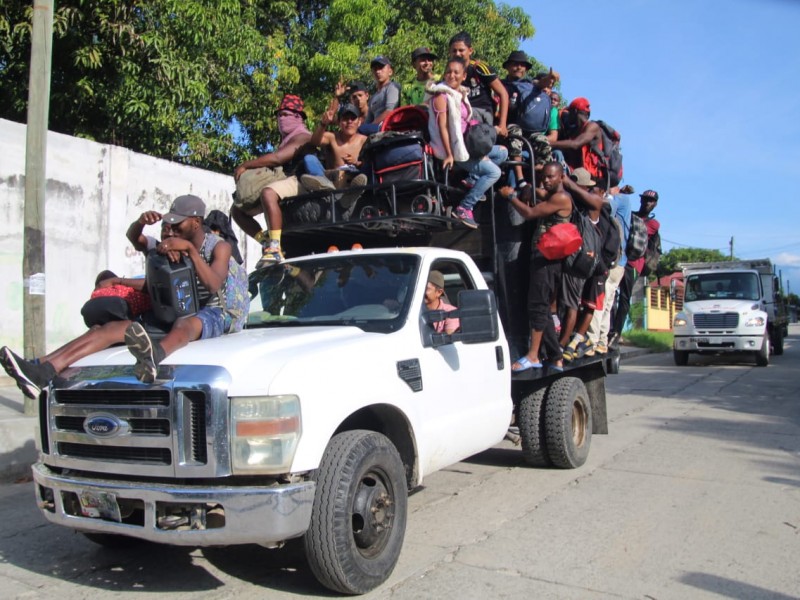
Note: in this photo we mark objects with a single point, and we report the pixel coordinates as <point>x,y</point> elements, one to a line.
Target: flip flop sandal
<point>525,364</point>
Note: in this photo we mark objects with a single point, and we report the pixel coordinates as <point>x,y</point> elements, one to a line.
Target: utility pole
<point>731,245</point>
<point>33,269</point>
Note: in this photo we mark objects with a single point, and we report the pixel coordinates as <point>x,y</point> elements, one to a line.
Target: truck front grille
<point>152,456</point>
<point>716,321</point>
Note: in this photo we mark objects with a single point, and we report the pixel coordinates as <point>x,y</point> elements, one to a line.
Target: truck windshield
<point>722,285</point>
<point>370,291</point>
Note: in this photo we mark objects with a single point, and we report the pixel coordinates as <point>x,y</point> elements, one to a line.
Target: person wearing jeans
<point>485,172</point>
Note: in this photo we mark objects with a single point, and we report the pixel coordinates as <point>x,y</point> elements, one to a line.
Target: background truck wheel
<point>612,365</point>
<point>568,423</point>
<point>777,341</point>
<point>762,356</point>
<point>358,519</point>
<point>532,429</point>
<point>681,357</point>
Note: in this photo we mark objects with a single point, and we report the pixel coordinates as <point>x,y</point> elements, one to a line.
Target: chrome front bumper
<point>718,343</point>
<point>252,515</point>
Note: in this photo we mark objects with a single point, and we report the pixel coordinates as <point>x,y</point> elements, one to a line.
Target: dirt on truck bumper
<point>213,515</point>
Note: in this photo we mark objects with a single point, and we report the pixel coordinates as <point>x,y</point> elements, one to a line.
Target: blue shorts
<point>213,322</point>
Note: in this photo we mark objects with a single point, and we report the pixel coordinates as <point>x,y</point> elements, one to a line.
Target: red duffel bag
<point>559,241</point>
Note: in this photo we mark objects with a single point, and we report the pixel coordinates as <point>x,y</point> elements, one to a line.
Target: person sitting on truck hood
<point>434,290</point>
<point>210,256</point>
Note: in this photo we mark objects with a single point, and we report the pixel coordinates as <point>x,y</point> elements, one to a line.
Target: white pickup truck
<point>313,422</point>
<point>730,307</point>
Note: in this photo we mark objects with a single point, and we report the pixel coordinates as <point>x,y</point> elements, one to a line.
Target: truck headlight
<point>264,433</point>
<point>754,322</point>
<point>679,321</point>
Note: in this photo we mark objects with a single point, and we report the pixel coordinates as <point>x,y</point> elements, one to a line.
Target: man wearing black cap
<point>414,92</point>
<point>341,151</point>
<point>386,97</point>
<point>210,257</point>
<point>633,268</point>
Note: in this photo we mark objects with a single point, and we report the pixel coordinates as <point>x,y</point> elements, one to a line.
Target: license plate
<point>99,505</point>
<point>699,340</point>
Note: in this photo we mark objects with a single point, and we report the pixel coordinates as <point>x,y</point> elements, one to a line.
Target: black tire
<point>777,341</point>
<point>358,519</point>
<point>532,429</point>
<point>762,356</point>
<point>568,425</point>
<point>113,540</point>
<point>681,357</point>
<point>612,365</point>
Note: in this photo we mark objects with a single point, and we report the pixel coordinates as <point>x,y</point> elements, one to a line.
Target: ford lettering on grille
<point>104,425</point>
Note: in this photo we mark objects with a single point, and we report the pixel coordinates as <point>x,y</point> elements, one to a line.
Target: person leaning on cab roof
<point>210,256</point>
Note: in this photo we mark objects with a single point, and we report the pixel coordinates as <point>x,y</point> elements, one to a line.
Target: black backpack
<point>479,139</point>
<point>584,262</point>
<point>652,255</point>
<point>611,250</point>
<point>637,238</point>
<point>610,155</point>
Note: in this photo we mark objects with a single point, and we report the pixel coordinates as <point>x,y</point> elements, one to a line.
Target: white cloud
<point>787,259</point>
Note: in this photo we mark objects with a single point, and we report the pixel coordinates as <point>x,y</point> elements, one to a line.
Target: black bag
<point>479,139</point>
<point>652,255</point>
<point>585,261</point>
<point>172,287</point>
<point>610,155</point>
<point>611,250</point>
<point>637,238</point>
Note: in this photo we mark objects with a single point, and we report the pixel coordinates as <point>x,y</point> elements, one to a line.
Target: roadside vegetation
<point>660,341</point>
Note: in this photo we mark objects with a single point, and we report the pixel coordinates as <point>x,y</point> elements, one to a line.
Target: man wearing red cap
<point>277,170</point>
<point>578,138</point>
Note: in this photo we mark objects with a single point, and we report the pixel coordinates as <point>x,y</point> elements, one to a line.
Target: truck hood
<point>722,306</point>
<point>262,351</point>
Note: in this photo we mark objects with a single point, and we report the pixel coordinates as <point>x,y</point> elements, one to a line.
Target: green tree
<point>197,81</point>
<point>669,261</point>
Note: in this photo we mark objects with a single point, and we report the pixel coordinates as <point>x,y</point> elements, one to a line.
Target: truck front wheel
<point>762,356</point>
<point>777,341</point>
<point>532,429</point>
<point>358,519</point>
<point>681,357</point>
<point>568,423</point>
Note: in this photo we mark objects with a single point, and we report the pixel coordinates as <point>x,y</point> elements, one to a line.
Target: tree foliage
<point>198,80</point>
<point>669,261</point>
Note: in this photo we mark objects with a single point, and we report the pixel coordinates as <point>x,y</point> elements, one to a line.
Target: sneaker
<point>351,196</point>
<point>272,256</point>
<point>585,348</point>
<point>315,183</point>
<point>29,376</point>
<point>144,351</point>
<point>600,348</point>
<point>465,216</point>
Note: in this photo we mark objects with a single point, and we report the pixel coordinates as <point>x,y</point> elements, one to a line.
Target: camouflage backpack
<point>233,295</point>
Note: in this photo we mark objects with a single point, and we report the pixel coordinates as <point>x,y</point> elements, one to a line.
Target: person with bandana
<point>288,155</point>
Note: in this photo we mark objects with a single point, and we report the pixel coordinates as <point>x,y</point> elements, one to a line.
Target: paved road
<point>694,494</point>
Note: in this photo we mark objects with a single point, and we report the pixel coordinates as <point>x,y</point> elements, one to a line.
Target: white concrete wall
<point>93,193</point>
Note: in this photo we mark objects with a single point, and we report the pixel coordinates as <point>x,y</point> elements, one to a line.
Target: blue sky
<point>706,95</point>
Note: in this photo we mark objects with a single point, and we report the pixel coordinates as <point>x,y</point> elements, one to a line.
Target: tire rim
<point>372,515</point>
<point>578,423</point>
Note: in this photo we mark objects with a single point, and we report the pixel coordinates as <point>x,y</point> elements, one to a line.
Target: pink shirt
<point>450,325</point>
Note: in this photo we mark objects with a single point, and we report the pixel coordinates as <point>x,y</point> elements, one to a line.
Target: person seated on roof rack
<point>449,115</point>
<point>279,181</point>
<point>341,156</point>
<point>529,113</point>
<point>413,93</point>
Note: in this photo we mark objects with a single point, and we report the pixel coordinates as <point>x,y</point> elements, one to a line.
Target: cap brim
<point>172,218</point>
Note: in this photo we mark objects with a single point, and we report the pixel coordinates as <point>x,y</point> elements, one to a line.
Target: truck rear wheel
<point>681,357</point>
<point>762,356</point>
<point>532,429</point>
<point>358,519</point>
<point>568,425</point>
<point>612,364</point>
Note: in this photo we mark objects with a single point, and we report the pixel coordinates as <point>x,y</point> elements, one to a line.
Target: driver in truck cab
<point>434,291</point>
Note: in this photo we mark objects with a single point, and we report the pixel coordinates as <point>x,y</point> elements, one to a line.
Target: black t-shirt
<point>479,80</point>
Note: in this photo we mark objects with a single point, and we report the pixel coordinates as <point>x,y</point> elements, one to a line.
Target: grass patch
<point>660,341</point>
